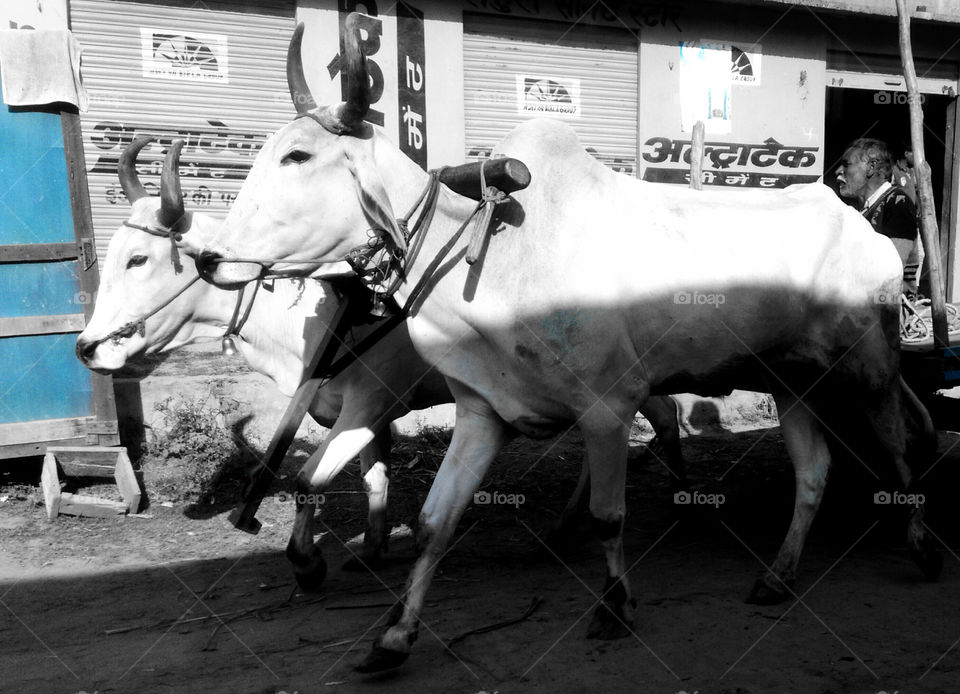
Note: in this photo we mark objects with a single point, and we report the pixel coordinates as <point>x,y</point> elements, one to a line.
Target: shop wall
<point>34,14</point>
<point>769,129</point>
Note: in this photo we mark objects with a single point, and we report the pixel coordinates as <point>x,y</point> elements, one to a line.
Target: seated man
<point>864,175</point>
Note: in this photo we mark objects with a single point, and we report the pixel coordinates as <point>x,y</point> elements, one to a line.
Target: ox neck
<point>272,339</point>
<point>404,188</point>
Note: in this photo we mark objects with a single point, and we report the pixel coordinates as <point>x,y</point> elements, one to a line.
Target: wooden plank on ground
<point>90,506</point>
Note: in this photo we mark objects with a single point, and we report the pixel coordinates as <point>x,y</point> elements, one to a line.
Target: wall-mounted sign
<point>411,83</point>
<point>745,63</point>
<point>177,55</point>
<point>544,95</point>
<point>725,157</point>
<point>745,59</point>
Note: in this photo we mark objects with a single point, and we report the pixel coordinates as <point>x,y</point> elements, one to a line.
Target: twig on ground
<point>360,607</point>
<point>534,604</point>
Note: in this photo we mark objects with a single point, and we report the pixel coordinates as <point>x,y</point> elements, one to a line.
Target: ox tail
<point>921,434</point>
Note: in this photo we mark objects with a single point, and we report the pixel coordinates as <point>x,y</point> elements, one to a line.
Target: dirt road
<point>127,604</point>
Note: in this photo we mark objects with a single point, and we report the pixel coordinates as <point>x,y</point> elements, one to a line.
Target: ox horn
<point>357,102</point>
<point>133,189</point>
<point>171,198</point>
<point>296,81</point>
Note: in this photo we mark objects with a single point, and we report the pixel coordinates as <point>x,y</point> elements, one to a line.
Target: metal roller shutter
<point>586,76</point>
<point>212,73</point>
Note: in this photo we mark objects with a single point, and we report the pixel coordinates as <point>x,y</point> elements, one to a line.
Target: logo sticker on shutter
<point>176,55</point>
<point>548,96</point>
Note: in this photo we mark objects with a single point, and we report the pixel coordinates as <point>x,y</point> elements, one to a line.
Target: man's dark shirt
<point>894,215</point>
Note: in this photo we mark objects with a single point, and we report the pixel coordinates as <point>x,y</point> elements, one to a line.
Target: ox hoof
<point>311,572</point>
<point>610,622</point>
<point>380,659</point>
<point>930,561</point>
<point>363,561</point>
<point>765,594</point>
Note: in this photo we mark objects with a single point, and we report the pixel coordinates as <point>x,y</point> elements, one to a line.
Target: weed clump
<point>192,454</point>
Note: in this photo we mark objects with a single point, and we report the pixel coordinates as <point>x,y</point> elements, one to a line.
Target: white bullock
<point>584,303</point>
<point>285,320</point>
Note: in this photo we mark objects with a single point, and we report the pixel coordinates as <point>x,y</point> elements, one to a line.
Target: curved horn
<point>171,199</point>
<point>357,101</point>
<point>296,81</point>
<point>127,170</point>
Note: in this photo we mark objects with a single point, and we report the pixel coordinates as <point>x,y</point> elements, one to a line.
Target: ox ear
<point>373,197</point>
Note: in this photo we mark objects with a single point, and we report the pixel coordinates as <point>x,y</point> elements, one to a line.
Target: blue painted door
<point>40,378</point>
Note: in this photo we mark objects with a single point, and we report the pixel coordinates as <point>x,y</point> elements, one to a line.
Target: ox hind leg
<point>906,433</point>
<point>375,470</point>
<point>605,436</point>
<point>478,436</point>
<point>807,446</point>
<point>663,413</point>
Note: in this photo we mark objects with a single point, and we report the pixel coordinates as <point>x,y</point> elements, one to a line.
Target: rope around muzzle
<point>138,325</point>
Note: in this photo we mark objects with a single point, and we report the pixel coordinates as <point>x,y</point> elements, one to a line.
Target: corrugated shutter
<point>212,73</point>
<point>587,76</point>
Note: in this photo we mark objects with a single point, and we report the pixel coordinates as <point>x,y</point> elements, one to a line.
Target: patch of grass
<point>192,454</point>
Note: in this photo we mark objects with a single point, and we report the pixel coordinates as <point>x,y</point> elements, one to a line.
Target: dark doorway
<point>884,115</point>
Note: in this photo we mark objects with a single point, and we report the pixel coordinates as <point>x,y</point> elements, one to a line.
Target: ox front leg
<point>375,468</point>
<point>605,437</point>
<point>477,437</point>
<point>807,447</point>
<point>342,445</point>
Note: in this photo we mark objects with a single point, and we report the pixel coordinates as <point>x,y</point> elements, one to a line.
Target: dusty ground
<point>126,604</point>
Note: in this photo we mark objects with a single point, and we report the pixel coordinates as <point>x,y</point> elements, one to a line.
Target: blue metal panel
<point>41,378</point>
<point>40,289</point>
<point>34,195</point>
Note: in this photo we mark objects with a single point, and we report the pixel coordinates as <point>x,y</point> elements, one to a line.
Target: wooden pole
<point>696,156</point>
<point>928,220</point>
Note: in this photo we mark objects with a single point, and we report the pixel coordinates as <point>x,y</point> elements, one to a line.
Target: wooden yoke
<point>507,175</point>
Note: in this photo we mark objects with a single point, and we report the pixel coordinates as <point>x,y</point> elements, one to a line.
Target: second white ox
<point>577,311</point>
<point>285,323</point>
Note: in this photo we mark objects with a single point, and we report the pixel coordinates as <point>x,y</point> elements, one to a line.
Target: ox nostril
<point>206,263</point>
<point>85,350</point>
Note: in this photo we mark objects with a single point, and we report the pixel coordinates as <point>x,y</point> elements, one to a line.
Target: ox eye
<point>136,261</point>
<point>296,156</point>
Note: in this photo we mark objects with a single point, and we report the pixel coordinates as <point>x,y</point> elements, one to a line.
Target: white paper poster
<point>705,81</point>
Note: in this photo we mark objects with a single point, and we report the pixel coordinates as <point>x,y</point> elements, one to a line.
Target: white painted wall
<point>36,14</point>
